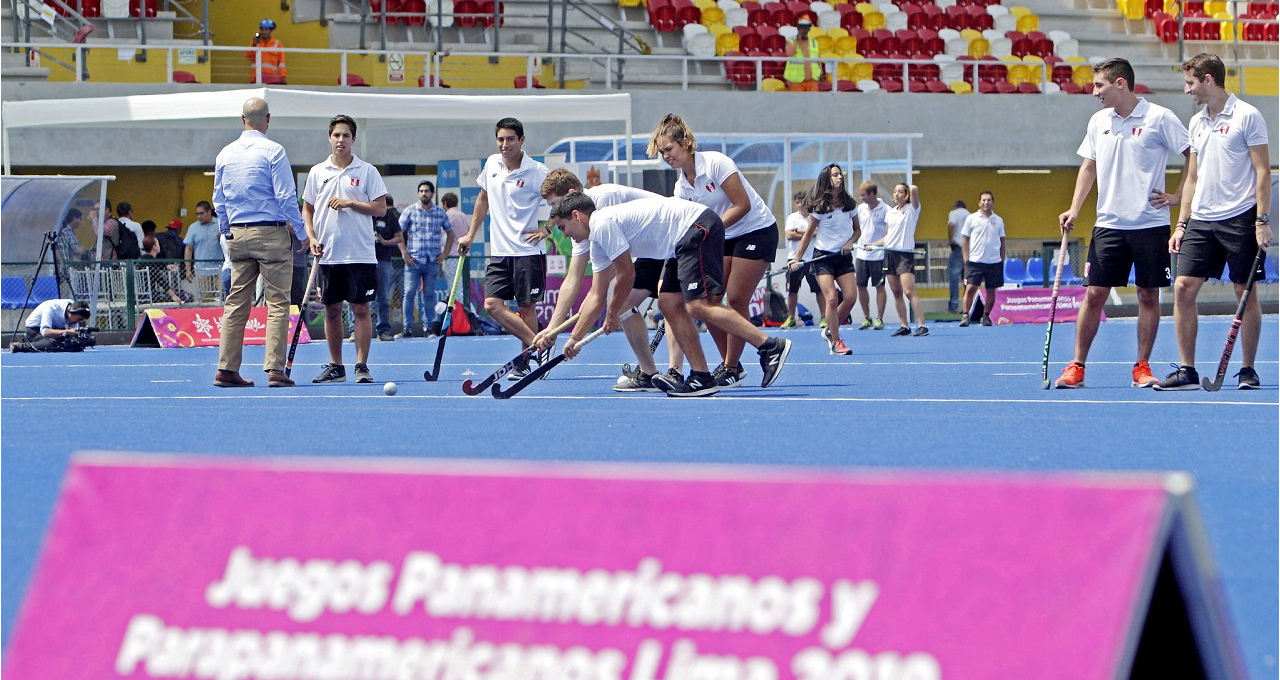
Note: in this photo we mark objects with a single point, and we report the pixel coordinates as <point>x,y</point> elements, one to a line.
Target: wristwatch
<point>1264,218</point>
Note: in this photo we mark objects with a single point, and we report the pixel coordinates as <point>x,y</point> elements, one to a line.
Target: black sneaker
<point>729,377</point>
<point>1182,378</point>
<point>773,354</point>
<point>363,377</point>
<point>921,331</point>
<point>902,330</point>
<point>1248,379</point>
<point>332,373</point>
<point>699,384</point>
<point>668,381</point>
<point>637,381</point>
<point>986,320</point>
<point>385,337</point>
<point>521,369</point>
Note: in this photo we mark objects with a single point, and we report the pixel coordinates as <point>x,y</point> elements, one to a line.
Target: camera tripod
<point>46,247</point>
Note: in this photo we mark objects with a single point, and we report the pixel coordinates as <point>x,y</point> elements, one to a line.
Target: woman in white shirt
<point>833,229</point>
<point>750,230</point>
<point>900,255</point>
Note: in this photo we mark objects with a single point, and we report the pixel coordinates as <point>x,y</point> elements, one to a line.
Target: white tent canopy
<point>300,109</point>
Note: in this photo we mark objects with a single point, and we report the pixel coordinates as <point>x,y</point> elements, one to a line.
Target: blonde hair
<point>674,128</point>
<point>560,182</point>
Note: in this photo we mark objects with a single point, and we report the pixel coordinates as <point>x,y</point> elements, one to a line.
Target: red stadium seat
<point>740,73</point>
<point>1071,88</point>
<point>353,80</point>
<point>959,18</point>
<point>664,16</point>
<point>979,19</point>
<point>780,14</point>
<point>522,82</point>
<point>868,46</point>
<point>1061,74</point>
<point>90,9</point>
<point>466,12</point>
<point>891,85</point>
<point>1005,87</point>
<point>417,11</point>
<point>1028,88</point>
<point>1166,28</point>
<point>422,82</point>
<point>1139,88</point>
<point>1273,32</point>
<point>801,9</point>
<point>932,44</point>
<point>917,85</point>
<point>486,12</point>
<point>757,15</point>
<point>1150,7</point>
<point>138,8</point>
<point>966,62</point>
<point>939,87</point>
<point>846,86</point>
<point>886,40</point>
<point>850,17</point>
<point>917,19</point>
<point>1021,47</point>
<point>937,17</point>
<point>991,70</point>
<point>924,71</point>
<point>686,13</point>
<point>184,77</point>
<point>771,42</point>
<point>773,69</point>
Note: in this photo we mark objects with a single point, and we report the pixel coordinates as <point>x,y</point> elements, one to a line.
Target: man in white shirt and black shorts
<point>691,237</point>
<point>1126,148</point>
<point>796,225</point>
<point>1223,214</point>
<point>342,196</point>
<point>868,264</point>
<point>511,193</point>
<point>982,248</point>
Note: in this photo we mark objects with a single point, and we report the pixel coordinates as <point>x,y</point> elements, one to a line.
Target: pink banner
<point>202,327</point>
<point>1031,305</point>
<point>165,568</point>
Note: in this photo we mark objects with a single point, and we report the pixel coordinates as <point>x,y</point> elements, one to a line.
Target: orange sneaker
<point>1142,375</point>
<point>1072,377</point>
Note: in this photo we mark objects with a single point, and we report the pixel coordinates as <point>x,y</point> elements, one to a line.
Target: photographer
<point>50,328</point>
<point>273,67</point>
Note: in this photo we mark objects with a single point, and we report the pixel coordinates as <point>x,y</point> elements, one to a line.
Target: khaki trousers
<point>254,251</point>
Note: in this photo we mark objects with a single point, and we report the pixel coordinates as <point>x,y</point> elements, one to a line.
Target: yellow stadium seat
<point>1082,75</point>
<point>862,70</point>
<point>773,85</point>
<point>1019,11</point>
<point>1017,72</point>
<point>726,42</point>
<point>1171,7</point>
<point>704,4</point>
<point>970,34</point>
<point>960,87</point>
<point>712,15</point>
<point>1213,7</point>
<point>872,20</point>
<point>847,46</point>
<point>979,48</point>
<point>865,8</point>
<point>836,33</point>
<point>1228,26</point>
<point>1035,68</point>
<point>1129,9</point>
<point>1028,23</point>
<point>825,46</point>
<point>630,3</point>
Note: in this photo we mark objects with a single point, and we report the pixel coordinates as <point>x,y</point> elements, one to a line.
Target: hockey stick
<point>302,317</point>
<point>539,372</point>
<point>1216,384</point>
<point>1053,308</point>
<point>657,336</point>
<point>528,353</point>
<point>433,374</point>
<point>784,269</point>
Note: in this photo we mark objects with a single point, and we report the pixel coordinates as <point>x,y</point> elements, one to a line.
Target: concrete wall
<point>960,131</point>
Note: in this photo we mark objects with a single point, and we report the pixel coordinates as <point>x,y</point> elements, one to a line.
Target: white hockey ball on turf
<point>389,388</point>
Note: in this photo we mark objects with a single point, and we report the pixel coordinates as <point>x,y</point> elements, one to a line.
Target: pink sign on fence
<point>1031,305</point>
<point>166,568</point>
<point>202,327</point>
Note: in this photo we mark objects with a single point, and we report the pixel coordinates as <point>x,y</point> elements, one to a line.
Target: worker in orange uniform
<point>273,67</point>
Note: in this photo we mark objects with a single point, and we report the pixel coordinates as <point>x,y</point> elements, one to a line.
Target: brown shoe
<point>279,379</point>
<point>230,379</point>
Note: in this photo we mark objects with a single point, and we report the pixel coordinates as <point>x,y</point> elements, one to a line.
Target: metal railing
<point>423,69</point>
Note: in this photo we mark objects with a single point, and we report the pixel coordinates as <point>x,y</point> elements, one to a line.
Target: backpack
<point>459,321</point>
<point>126,248</point>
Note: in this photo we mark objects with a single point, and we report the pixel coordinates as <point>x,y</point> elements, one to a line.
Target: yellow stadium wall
<point>104,65</point>
<point>157,194</point>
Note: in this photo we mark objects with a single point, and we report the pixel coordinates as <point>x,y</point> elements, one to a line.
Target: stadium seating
<point>1014,271</point>
<point>1035,272</point>
<point>1068,276</point>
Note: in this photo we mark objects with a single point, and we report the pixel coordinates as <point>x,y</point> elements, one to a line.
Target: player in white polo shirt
<point>692,236</point>
<point>1223,214</point>
<point>751,232</point>
<point>982,248</point>
<point>342,196</point>
<point>510,194</point>
<point>560,183</point>
<point>868,265</point>
<point>899,243</point>
<point>1126,148</point>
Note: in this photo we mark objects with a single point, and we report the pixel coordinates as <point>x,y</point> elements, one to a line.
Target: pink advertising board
<point>159,567</point>
<point>1031,305</point>
<point>202,327</point>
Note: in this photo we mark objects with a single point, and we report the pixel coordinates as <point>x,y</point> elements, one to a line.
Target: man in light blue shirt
<point>256,202</point>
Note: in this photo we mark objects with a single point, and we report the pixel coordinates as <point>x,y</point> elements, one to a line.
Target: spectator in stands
<point>899,242</point>
<point>110,229</point>
<point>955,264</point>
<point>1126,148</point>
<point>983,246</point>
<point>273,66</point>
<point>1223,214</point>
<point>422,224</point>
<point>124,213</point>
<point>203,251</point>
<point>797,224</point>
<point>49,327</point>
<point>868,265</point>
<point>802,75</point>
<point>171,245</point>
<point>387,238</point>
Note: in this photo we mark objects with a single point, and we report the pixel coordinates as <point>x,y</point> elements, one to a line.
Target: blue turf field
<point>960,398</point>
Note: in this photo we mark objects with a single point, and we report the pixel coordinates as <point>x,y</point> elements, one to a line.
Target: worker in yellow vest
<point>803,76</point>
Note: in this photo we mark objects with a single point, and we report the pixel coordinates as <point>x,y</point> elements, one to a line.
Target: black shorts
<point>802,273</point>
<point>356,283</point>
<point>832,264</point>
<point>522,278</point>
<point>648,272</point>
<point>1113,252</point>
<point>991,273</point>
<point>697,270</point>
<point>761,244</point>
<point>869,272</point>
<point>900,262</point>
<point>1206,246</point>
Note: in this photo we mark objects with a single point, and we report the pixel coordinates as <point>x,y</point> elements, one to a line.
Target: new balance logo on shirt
<point>535,291</point>
<point>751,247</point>
<point>693,286</point>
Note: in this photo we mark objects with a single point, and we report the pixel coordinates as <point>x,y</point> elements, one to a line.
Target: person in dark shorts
<point>868,265</point>
<point>342,196</point>
<point>833,228</point>
<point>982,248</point>
<point>797,224</point>
<point>1126,148</point>
<point>691,283</point>
<point>1227,198</point>
<point>510,193</point>
<point>899,243</point>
